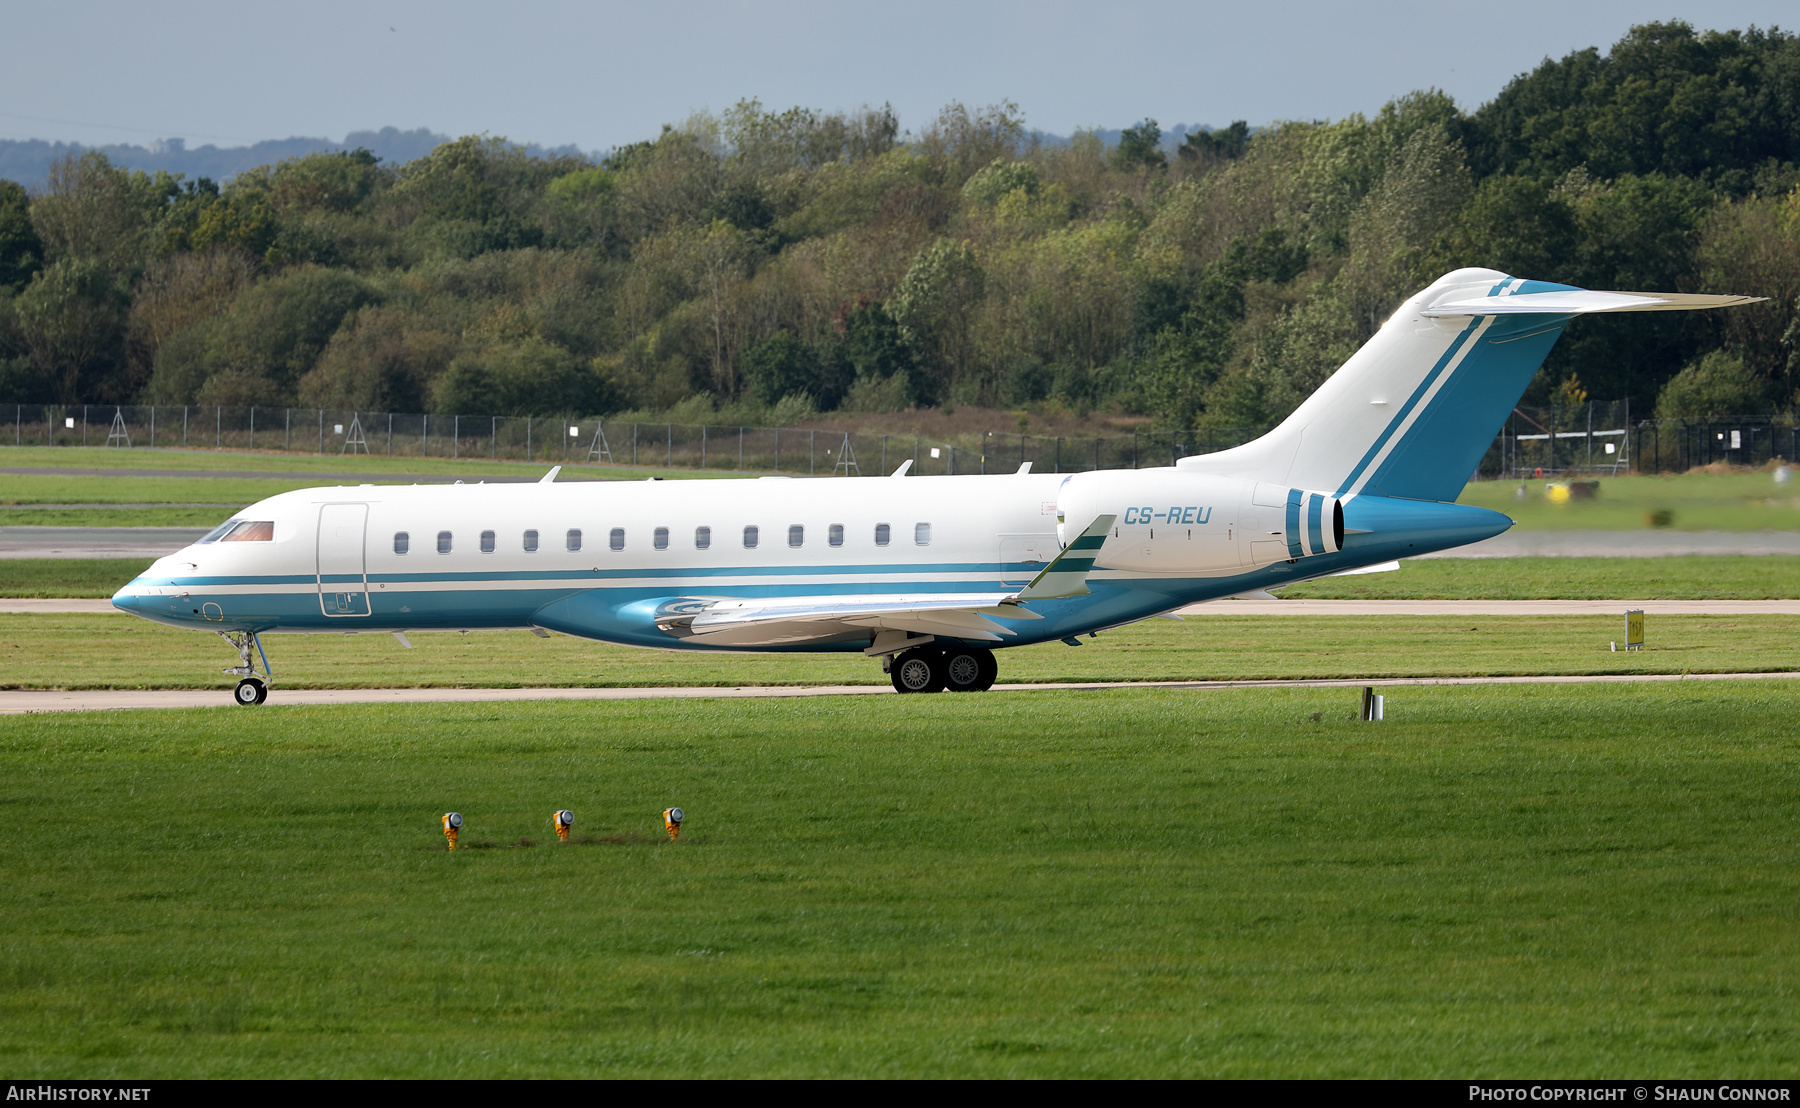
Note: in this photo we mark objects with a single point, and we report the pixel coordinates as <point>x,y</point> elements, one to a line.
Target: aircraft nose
<point>126,600</point>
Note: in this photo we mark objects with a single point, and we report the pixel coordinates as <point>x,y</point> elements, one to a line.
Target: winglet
<point>904,466</point>
<point>1066,575</point>
<point>551,476</point>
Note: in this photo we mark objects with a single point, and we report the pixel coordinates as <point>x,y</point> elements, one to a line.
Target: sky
<point>601,74</point>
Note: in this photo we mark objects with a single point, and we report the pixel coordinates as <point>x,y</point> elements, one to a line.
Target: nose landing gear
<point>959,669</point>
<point>251,689</point>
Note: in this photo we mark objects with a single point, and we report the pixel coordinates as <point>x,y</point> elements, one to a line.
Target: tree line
<point>777,263</point>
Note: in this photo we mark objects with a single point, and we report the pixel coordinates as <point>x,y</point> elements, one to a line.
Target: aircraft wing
<point>1584,302</point>
<point>733,621</point>
<point>978,617</point>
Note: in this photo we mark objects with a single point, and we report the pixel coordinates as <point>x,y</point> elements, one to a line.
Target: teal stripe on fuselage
<point>995,568</point>
<point>1412,401</point>
<point>1396,528</point>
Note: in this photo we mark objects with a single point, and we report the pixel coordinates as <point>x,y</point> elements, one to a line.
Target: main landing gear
<point>958,669</point>
<point>251,689</point>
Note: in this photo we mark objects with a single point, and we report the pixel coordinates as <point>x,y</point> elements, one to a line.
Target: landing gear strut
<point>251,689</point>
<point>959,669</point>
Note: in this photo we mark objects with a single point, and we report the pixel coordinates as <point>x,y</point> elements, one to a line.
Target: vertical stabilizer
<point>1411,413</point>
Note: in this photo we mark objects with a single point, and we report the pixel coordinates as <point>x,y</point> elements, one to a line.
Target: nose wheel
<point>251,689</point>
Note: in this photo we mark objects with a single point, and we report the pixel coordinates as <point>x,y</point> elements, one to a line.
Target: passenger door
<point>343,573</point>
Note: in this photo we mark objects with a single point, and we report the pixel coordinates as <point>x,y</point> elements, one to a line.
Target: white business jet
<point>928,574</point>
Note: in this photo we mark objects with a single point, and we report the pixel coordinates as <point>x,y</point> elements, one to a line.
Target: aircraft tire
<point>250,691</point>
<point>990,669</point>
<point>967,670</point>
<point>918,671</point>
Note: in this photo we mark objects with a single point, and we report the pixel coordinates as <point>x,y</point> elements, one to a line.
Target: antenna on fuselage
<point>904,466</point>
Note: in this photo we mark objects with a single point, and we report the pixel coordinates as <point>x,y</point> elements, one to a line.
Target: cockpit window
<point>250,530</point>
<point>218,532</point>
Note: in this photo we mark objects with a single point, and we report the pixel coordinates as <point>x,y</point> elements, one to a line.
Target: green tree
<point>1719,384</point>
<point>21,252</point>
<point>1140,147</point>
<point>785,365</point>
<point>1205,148</point>
<point>70,319</point>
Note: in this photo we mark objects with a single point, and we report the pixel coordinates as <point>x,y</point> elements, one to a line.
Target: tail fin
<point>1412,412</point>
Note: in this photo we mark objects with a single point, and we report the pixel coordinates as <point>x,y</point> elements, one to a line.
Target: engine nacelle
<point>1168,521</point>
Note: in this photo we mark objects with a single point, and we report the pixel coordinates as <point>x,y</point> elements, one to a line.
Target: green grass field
<point>118,651</point>
<point>1696,577</point>
<point>1697,501</point>
<point>1543,881</point>
<point>109,516</point>
<point>1682,577</point>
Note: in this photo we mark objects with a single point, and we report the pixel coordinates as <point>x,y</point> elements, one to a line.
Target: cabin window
<point>750,537</point>
<point>531,542</point>
<point>573,539</point>
<point>835,536</point>
<point>617,538</point>
<point>659,538</point>
<point>796,535</point>
<point>922,534</point>
<point>402,541</point>
<point>487,542</point>
<point>702,538</point>
<point>250,530</point>
<point>443,542</point>
<point>882,534</point>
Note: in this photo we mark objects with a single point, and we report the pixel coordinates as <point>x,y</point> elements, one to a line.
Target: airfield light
<point>672,821</point>
<point>563,819</point>
<point>452,824</point>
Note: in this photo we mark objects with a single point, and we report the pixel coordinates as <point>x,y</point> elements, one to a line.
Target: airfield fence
<point>577,440</point>
<point>1599,437</point>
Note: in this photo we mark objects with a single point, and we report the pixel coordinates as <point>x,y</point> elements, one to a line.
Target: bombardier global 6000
<point>930,575</point>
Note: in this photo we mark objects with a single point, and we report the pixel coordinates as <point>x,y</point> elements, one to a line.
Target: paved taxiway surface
<point>148,543</point>
<point>17,703</point>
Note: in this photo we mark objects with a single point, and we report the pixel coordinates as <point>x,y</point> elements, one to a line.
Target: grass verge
<point>1699,501</point>
<point>1547,881</point>
<point>74,578</point>
<point>119,652</point>
<point>1682,577</point>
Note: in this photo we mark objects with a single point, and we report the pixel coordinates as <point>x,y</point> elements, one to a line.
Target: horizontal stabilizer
<point>1584,302</point>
